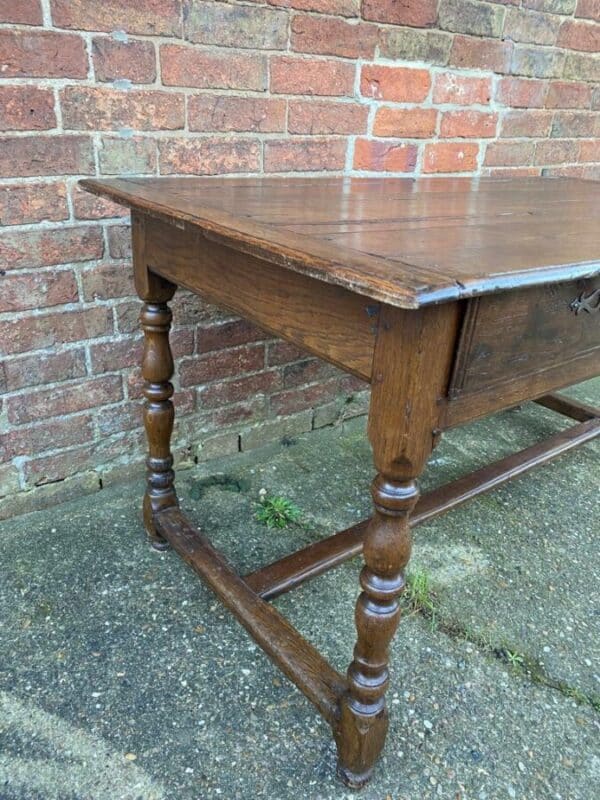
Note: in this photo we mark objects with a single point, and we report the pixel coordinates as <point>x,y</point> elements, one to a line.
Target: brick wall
<point>276,86</point>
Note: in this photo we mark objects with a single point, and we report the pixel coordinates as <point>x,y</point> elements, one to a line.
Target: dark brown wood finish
<point>453,297</point>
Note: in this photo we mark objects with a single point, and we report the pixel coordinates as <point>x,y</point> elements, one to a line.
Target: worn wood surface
<point>407,243</point>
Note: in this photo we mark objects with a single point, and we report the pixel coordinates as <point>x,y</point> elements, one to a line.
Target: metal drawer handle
<point>591,303</point>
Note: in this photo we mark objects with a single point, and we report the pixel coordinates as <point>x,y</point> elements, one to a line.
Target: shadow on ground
<point>122,678</point>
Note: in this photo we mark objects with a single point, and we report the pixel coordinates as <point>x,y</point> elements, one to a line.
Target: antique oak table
<point>453,298</point>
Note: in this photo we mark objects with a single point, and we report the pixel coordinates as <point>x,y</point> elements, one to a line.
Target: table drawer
<point>508,337</point>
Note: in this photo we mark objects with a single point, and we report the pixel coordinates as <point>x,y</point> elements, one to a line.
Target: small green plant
<point>276,512</point>
<point>419,595</point>
<point>513,658</point>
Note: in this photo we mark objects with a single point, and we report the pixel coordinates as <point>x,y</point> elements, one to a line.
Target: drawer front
<point>509,336</point>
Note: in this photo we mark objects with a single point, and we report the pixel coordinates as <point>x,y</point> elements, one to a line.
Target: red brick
<point>461,90</point>
<point>234,391</point>
<point>556,151</point>
<point>47,436</point>
<point>283,353</point>
<point>416,13</point>
<point>241,413</point>
<point>566,124</point>
<point>304,155</point>
<point>319,117</point>
<point>220,113</point>
<point>23,203</point>
<point>228,334</point>
<point>45,155</point>
<point>23,12</point>
<point>92,108</point>
<point>342,8</point>
<point>566,94</point>
<point>62,400</point>
<point>40,332</point>
<point>26,108</point>
<point>43,248</point>
<point>579,36</point>
<point>134,60</point>
<point>450,157</point>
<point>417,123</point>
<point>41,368</point>
<point>107,282</point>
<point>512,172</point>
<point>310,396</point>
<point>42,54</point>
<point>384,156</point>
<point>589,9</point>
<point>187,66</point>
<point>112,356</point>
<point>398,84</point>
<point>37,290</point>
<point>509,154</point>
<point>119,241</point>
<point>521,93</point>
<point>291,75</point>
<point>208,156</point>
<point>531,124</point>
<point>309,370</point>
<point>589,150</point>
<point>333,37</point>
<point>90,206</point>
<point>465,124</point>
<point>152,17</point>
<point>228,364</point>
<point>472,52</point>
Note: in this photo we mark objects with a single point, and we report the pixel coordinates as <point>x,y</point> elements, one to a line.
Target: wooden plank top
<point>405,242</point>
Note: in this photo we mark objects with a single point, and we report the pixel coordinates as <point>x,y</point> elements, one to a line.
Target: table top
<point>403,241</point>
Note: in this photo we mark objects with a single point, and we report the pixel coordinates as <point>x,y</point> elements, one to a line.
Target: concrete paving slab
<point>122,677</point>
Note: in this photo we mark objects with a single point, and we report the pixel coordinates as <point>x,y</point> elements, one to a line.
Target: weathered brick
<point>119,156</point>
<point>107,282</point>
<point>43,248</point>
<point>309,370</point>
<point>526,123</point>
<point>342,8</point>
<point>229,25</point>
<point>575,123</point>
<point>579,36</point>
<point>412,44</point>
<point>333,37</point>
<point>221,113</point>
<point>152,17</point>
<point>291,75</point>
<point>37,290</point>
<point>582,67</point>
<point>450,157</point>
<point>92,108</point>
<point>26,108</point>
<point>35,370</point>
<point>42,54</point>
<point>467,16</point>
<point>116,355</point>
<point>294,400</point>
<point>186,66</point>
<point>91,206</point>
<point>461,89</point>
<point>283,353</point>
<point>208,156</point>
<point>472,52</point>
<point>319,117</point>
<point>47,436</point>
<point>29,333</point>
<point>280,429</point>
<point>465,124</point>
<point>588,9</point>
<point>521,93</point>
<point>417,13</point>
<point>412,123</point>
<point>304,155</point>
<point>234,391</point>
<point>24,203</point>
<point>241,414</point>
<point>119,241</point>
<point>9,477</point>
<point>556,151</point>
<point>567,94</point>
<point>397,84</point>
<point>114,60</point>
<point>49,155</point>
<point>228,364</point>
<point>384,156</point>
<point>537,62</point>
<point>24,12</point>
<point>228,334</point>
<point>509,153</point>
<point>589,150</point>
<point>521,25</point>
<point>596,98</point>
<point>45,403</point>
<point>551,6</point>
